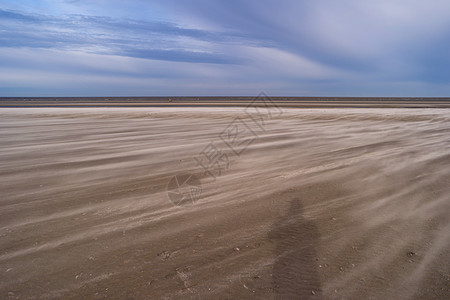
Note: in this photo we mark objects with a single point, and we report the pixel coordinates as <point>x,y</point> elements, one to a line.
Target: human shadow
<point>295,273</point>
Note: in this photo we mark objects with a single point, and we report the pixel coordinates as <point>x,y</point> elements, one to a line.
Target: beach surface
<point>224,203</point>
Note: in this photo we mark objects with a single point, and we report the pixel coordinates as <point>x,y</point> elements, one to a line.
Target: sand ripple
<point>325,203</point>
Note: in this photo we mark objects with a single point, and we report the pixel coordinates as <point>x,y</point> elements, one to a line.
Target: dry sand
<point>323,204</point>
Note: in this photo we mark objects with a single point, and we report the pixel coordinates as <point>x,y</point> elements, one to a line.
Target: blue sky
<point>233,47</point>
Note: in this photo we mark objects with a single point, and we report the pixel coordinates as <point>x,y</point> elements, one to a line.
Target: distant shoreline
<point>294,102</point>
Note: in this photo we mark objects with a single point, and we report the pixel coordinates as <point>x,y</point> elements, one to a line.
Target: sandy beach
<point>324,203</point>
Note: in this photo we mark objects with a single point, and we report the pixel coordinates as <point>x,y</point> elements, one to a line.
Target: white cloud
<point>283,47</point>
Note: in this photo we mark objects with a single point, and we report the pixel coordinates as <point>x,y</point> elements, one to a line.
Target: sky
<point>224,48</point>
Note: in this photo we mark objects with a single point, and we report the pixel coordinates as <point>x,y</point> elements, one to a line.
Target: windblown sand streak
<point>325,204</point>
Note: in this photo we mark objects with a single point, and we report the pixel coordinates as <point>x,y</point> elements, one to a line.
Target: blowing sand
<point>322,204</point>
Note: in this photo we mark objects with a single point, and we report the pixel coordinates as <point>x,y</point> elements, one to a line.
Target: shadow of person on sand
<point>295,273</point>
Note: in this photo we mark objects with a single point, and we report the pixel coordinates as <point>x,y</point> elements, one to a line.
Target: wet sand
<point>321,204</point>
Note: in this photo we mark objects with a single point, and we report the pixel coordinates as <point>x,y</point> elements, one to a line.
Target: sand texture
<point>313,204</point>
